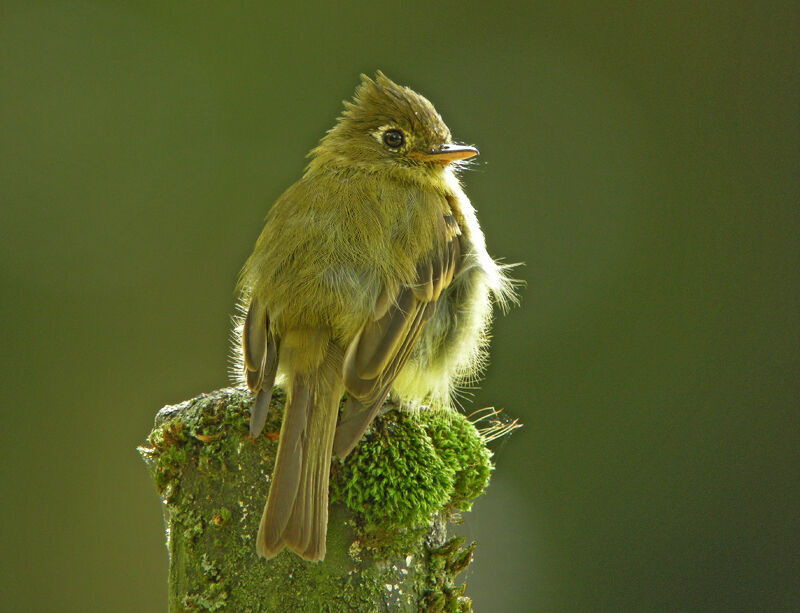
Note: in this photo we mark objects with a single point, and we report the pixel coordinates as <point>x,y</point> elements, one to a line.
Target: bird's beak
<point>445,154</point>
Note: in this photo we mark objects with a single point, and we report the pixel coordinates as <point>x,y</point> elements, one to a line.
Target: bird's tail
<point>296,512</point>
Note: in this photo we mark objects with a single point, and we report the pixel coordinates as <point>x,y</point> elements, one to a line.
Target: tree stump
<point>391,498</point>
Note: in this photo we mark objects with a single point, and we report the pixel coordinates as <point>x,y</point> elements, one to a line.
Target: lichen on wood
<point>391,499</point>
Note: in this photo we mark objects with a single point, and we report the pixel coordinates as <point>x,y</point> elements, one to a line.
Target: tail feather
<point>296,512</point>
<point>287,474</point>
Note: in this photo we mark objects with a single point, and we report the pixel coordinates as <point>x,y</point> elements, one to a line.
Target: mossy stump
<point>387,547</point>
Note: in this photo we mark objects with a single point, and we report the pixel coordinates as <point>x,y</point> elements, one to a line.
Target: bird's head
<point>389,128</point>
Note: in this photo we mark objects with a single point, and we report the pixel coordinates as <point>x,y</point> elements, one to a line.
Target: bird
<point>370,278</point>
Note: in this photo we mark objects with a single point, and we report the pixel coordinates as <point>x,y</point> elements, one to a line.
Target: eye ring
<point>393,139</point>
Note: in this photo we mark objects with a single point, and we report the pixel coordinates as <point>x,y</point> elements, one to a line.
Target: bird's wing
<point>260,350</point>
<point>381,348</point>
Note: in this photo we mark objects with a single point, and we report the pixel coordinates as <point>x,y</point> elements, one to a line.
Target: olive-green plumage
<point>371,276</point>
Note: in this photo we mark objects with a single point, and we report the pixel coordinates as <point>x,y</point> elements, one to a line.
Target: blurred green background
<point>642,159</point>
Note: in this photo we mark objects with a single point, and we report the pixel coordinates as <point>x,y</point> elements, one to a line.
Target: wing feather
<point>383,345</point>
<point>260,349</point>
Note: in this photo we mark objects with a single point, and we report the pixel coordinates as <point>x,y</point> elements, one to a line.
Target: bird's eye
<point>393,138</point>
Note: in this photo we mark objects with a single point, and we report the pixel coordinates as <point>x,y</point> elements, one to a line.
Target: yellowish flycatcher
<point>370,277</point>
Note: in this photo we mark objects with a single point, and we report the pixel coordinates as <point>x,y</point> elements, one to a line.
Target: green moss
<point>221,516</point>
<point>395,478</point>
<point>412,465</point>
<point>190,521</point>
<point>462,449</point>
<point>441,593</point>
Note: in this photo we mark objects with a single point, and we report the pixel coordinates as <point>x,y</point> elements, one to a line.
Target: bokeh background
<point>641,159</point>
